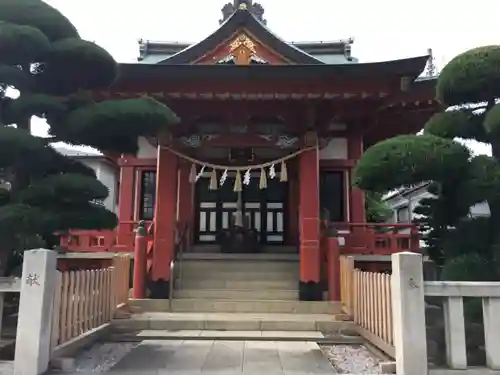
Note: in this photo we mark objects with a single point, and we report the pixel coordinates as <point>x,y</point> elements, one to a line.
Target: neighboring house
<point>404,201</point>
<point>105,169</point>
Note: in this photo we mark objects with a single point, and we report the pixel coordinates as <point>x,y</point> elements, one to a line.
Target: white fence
<point>410,339</point>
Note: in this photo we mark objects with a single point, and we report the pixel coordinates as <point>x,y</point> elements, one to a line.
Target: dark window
<point>276,190</point>
<point>332,195</point>
<point>148,195</point>
<point>205,194</point>
<point>403,214</point>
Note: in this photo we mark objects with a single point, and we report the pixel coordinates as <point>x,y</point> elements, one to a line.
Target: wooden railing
<point>87,299</point>
<point>360,238</point>
<point>366,297</point>
<point>377,239</point>
<point>119,240</point>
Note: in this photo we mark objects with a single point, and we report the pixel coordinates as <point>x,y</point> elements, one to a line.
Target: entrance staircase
<point>230,295</point>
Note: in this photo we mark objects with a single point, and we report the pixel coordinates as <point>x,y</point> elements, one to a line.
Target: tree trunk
<point>4,260</point>
<point>494,204</point>
<point>25,124</point>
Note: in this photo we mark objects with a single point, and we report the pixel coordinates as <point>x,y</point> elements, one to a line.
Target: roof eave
<point>410,67</point>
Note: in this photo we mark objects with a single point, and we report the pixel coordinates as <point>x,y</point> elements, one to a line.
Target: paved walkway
<point>224,358</point>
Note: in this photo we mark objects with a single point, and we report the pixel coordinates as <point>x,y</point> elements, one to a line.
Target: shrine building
<point>264,153</point>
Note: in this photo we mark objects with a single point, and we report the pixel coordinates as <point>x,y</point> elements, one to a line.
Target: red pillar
<point>186,212</point>
<point>126,205</point>
<point>357,198</point>
<point>140,263</point>
<point>309,286</point>
<point>165,221</point>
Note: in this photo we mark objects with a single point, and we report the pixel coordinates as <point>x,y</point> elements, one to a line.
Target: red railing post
<point>140,248</point>
<point>414,240</point>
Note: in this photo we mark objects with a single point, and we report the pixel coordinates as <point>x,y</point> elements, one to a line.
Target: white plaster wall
<point>146,150</point>
<point>109,176</point>
<point>412,200</point>
<point>335,149</point>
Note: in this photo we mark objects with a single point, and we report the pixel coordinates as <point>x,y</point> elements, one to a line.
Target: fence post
<point>33,339</point>
<point>408,308</point>
<point>333,271</point>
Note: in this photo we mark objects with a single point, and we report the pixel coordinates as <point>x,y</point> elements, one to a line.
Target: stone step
<point>236,266</point>
<point>236,306</point>
<point>239,294</point>
<point>327,323</point>
<point>241,257</point>
<point>126,335</point>
<point>287,284</point>
<point>238,275</point>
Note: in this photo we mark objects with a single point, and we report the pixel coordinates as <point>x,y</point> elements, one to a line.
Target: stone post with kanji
<point>34,324</point>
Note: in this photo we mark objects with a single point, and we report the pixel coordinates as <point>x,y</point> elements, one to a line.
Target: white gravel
<point>101,357</point>
<point>352,359</point>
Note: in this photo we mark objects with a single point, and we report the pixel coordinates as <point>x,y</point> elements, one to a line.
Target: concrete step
<point>239,294</point>
<point>126,335</point>
<point>237,306</point>
<point>327,323</point>
<point>287,284</point>
<point>238,275</point>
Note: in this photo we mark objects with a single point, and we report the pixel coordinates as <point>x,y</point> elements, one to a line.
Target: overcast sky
<point>382,29</point>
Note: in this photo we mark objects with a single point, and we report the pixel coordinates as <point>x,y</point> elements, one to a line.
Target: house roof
<point>242,18</point>
<point>79,154</point>
<point>74,152</point>
<point>403,191</point>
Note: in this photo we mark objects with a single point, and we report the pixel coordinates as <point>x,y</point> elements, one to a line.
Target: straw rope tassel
<point>284,172</point>
<point>192,174</point>
<point>263,179</point>
<point>237,182</point>
<point>213,180</point>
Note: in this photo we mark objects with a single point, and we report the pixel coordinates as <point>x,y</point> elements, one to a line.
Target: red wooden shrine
<point>242,89</point>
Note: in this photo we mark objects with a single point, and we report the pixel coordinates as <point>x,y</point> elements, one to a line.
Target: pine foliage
<point>468,89</point>
<point>55,71</point>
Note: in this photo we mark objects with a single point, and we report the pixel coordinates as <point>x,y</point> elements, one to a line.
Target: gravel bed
<point>101,357</point>
<point>352,359</point>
